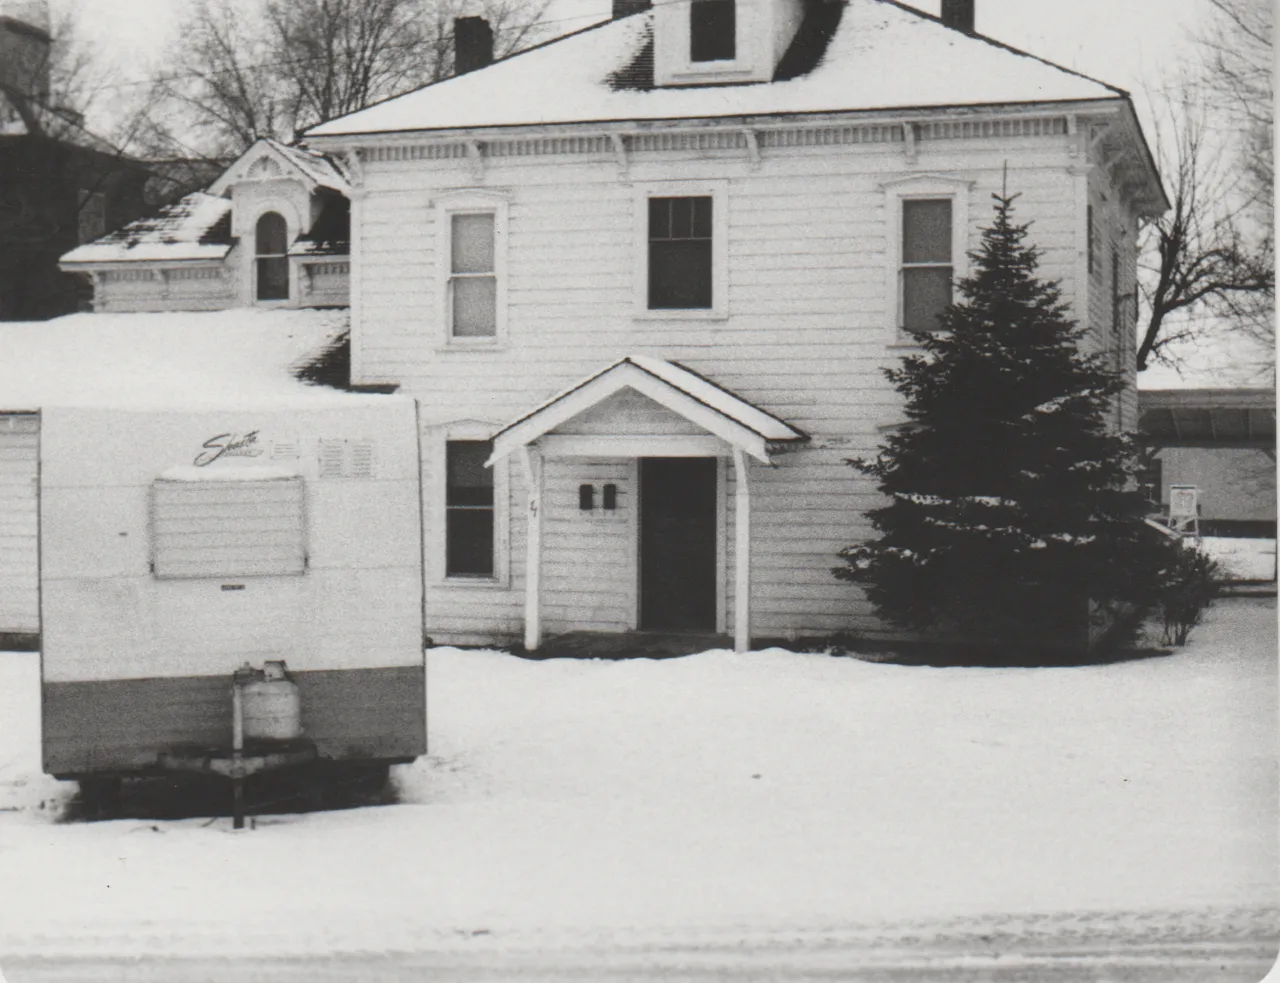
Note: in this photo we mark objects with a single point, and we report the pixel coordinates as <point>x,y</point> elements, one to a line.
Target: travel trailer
<point>179,546</point>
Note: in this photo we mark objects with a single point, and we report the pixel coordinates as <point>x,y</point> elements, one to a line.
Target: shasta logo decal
<point>228,445</point>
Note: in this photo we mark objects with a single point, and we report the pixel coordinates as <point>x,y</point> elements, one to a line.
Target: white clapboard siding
<point>228,528</point>
<point>19,593</point>
<point>810,327</point>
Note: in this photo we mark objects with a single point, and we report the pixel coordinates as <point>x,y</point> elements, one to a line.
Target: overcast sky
<point>1125,42</point>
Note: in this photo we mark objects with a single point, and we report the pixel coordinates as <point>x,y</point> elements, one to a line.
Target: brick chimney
<point>472,44</point>
<point>625,8</point>
<point>959,15</point>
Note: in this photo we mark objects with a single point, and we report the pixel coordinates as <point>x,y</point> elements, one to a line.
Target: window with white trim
<point>271,248</point>
<point>466,507</point>
<point>927,227</point>
<point>681,241</point>
<point>243,527</point>
<point>712,30</point>
<point>927,262</point>
<point>472,245</point>
<point>469,509</point>
<point>473,280</point>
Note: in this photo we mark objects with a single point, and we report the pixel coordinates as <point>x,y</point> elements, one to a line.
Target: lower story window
<point>468,509</point>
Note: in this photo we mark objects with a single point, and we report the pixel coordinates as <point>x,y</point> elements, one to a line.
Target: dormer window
<point>271,247</point>
<point>712,30</point>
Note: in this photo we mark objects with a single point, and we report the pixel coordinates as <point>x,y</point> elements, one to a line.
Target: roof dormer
<point>707,42</point>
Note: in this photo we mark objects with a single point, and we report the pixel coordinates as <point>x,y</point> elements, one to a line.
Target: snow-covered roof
<point>679,389</point>
<point>190,359</point>
<point>195,227</point>
<point>314,167</point>
<point>882,56</point>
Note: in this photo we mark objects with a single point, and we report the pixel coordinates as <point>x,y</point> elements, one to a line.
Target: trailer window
<point>237,528</point>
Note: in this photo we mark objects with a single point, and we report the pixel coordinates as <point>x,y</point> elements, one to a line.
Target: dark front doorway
<point>677,544</point>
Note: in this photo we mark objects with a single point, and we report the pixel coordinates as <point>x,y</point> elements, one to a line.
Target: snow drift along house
<point>644,280</point>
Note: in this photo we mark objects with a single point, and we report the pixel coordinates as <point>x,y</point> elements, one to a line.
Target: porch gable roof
<point>681,390</point>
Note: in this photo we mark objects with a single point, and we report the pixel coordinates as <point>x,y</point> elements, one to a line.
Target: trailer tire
<point>100,797</point>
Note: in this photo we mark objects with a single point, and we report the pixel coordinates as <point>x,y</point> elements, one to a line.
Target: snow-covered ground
<point>1243,559</point>
<point>717,799</point>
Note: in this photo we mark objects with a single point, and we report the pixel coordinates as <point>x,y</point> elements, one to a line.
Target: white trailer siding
<point>100,595</point>
<point>136,663</point>
<point>19,476</point>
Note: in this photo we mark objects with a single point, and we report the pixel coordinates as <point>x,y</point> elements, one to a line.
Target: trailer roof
<point>173,359</point>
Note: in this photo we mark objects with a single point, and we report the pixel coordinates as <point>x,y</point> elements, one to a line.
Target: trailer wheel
<point>100,797</point>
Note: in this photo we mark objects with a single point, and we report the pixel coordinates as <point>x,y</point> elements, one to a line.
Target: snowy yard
<point>715,798</point>
<point>1243,559</point>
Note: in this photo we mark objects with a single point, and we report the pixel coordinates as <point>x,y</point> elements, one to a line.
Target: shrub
<point>1187,588</point>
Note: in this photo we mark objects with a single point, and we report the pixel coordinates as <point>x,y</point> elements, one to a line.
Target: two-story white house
<point>645,280</point>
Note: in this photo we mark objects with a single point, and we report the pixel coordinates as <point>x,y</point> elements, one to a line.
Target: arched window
<point>271,248</point>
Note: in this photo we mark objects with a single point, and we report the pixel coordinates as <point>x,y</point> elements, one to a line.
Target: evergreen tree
<point>1008,502</point>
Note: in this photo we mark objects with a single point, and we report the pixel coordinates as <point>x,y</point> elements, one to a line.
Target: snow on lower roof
<point>188,359</point>
<point>698,398</point>
<point>319,168</point>
<point>883,56</point>
<point>195,227</point>
<point>722,401</point>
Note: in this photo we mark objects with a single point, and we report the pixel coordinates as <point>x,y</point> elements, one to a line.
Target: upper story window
<point>473,279</point>
<point>681,274</point>
<point>927,266</point>
<point>469,515</point>
<point>712,30</point>
<point>271,247</point>
<point>471,251</point>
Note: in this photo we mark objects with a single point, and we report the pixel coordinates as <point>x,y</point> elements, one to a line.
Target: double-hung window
<point>473,277</point>
<point>469,509</point>
<point>712,30</point>
<point>681,250</point>
<point>927,262</point>
<point>681,273</point>
<point>680,254</point>
<point>472,255</point>
<point>271,242</point>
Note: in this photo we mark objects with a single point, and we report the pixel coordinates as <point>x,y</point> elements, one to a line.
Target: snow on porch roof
<point>883,56</point>
<point>680,390</point>
<point>189,360</point>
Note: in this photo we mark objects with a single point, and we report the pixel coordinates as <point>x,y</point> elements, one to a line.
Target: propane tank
<point>272,706</point>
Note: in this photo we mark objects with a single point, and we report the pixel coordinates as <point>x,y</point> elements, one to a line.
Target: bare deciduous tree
<point>1209,264</point>
<point>244,69</point>
<point>1200,257</point>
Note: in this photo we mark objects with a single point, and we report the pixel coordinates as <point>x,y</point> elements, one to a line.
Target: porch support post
<point>741,554</point>
<point>532,465</point>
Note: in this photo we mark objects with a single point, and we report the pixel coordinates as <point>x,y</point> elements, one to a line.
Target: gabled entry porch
<point>651,545</point>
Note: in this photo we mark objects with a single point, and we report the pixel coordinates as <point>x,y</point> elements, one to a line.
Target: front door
<point>678,544</point>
